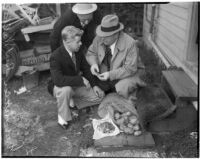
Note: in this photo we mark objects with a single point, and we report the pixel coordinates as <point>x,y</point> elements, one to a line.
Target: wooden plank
<point>178,51</point>
<point>179,22</point>
<point>36,59</point>
<point>166,52</point>
<point>143,140</point>
<point>37,28</point>
<point>37,50</point>
<point>26,53</point>
<point>146,25</point>
<point>181,84</point>
<point>164,44</point>
<point>32,29</point>
<point>184,5</point>
<point>42,49</point>
<point>43,66</point>
<point>171,37</point>
<point>175,30</point>
<point>175,10</point>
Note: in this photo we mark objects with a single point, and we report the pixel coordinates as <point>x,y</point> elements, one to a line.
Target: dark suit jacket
<point>70,18</point>
<point>63,72</point>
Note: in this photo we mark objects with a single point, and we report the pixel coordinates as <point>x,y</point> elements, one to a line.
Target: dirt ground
<point>30,126</point>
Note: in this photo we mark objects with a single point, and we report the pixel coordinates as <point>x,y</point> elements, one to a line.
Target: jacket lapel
<point>101,53</point>
<point>114,54</point>
<point>119,46</point>
<point>67,57</point>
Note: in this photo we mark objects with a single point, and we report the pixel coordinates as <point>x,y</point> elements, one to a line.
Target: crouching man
<point>113,57</point>
<point>72,82</point>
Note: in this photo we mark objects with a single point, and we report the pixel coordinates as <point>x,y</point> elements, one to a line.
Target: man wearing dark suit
<point>72,80</point>
<point>82,16</point>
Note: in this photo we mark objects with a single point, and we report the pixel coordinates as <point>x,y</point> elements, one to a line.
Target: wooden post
<point>112,8</point>
<point>58,9</point>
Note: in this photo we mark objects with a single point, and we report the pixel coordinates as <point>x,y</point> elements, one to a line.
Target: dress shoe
<point>73,108</point>
<point>64,126</point>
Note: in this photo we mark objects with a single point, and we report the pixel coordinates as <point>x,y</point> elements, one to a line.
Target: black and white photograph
<point>100,79</point>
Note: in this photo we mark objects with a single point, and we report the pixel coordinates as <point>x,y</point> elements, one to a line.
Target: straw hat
<point>109,25</point>
<point>84,8</point>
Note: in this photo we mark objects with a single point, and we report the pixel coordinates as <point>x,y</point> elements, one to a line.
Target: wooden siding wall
<point>146,25</point>
<point>173,29</point>
<point>172,33</point>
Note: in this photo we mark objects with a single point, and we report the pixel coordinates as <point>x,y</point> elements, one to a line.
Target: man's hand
<point>86,82</point>
<point>99,93</point>
<point>95,69</point>
<point>104,76</point>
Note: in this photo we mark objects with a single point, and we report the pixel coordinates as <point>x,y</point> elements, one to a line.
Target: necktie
<point>74,59</point>
<point>108,56</point>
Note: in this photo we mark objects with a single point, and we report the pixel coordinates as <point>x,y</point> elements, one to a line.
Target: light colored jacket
<point>124,62</point>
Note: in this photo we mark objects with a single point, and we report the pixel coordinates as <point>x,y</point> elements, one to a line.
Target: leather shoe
<point>74,108</point>
<point>64,126</point>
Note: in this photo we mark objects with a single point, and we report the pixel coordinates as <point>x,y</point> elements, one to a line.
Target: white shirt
<point>70,53</point>
<point>112,47</point>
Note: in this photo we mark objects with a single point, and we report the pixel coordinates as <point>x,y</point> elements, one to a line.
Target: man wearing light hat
<point>82,16</point>
<point>113,57</point>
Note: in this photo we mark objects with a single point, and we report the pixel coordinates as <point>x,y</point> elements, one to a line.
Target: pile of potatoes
<point>127,123</point>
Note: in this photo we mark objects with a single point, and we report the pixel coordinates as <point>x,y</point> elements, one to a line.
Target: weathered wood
<point>35,59</point>
<point>144,140</point>
<point>43,66</point>
<point>171,37</point>
<point>177,21</point>
<point>175,10</point>
<point>177,51</point>
<point>32,29</point>
<point>185,5</point>
<point>181,84</point>
<point>174,29</point>
<point>42,49</point>
<point>26,53</point>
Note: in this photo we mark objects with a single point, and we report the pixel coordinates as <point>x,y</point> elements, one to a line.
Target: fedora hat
<point>109,25</point>
<point>84,8</point>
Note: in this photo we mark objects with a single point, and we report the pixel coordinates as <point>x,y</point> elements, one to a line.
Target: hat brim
<point>88,11</point>
<point>101,33</point>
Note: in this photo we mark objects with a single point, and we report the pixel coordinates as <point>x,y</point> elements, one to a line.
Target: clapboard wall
<point>171,34</point>
<point>172,30</point>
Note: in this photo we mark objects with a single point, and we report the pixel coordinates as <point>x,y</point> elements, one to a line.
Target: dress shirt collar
<point>112,47</point>
<point>69,52</point>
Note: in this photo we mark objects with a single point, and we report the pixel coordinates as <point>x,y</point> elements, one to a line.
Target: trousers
<point>82,96</point>
<point>123,87</point>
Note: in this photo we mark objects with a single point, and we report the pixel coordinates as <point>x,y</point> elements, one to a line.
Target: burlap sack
<point>114,102</point>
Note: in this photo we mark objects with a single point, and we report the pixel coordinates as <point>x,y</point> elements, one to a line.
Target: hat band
<point>110,28</point>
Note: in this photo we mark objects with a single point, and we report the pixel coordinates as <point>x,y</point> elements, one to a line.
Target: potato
<point>133,119</point>
<point>130,125</point>
<point>126,114</point>
<point>122,127</point>
<point>131,131</point>
<point>137,133</point>
<point>120,121</point>
<point>136,127</point>
<point>117,116</point>
<point>125,117</point>
<point>128,130</point>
